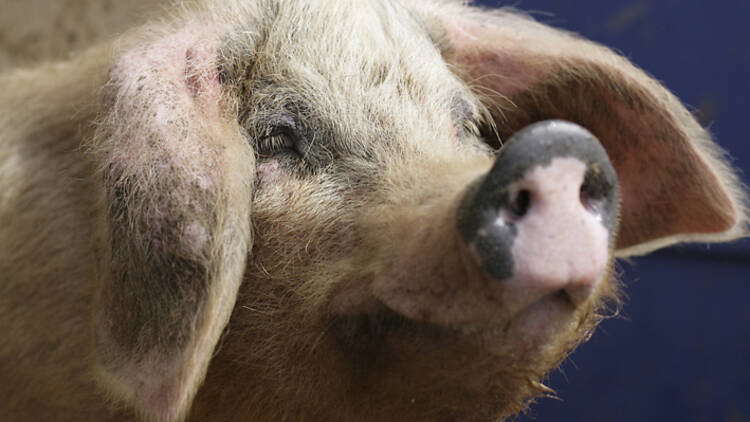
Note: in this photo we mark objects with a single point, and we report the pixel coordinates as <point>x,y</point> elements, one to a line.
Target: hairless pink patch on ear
<point>184,63</point>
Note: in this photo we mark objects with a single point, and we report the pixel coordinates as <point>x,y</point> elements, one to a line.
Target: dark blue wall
<point>681,350</point>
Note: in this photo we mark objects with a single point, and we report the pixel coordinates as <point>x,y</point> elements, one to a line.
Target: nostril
<point>595,190</point>
<point>587,199</point>
<point>520,205</point>
<point>563,296</point>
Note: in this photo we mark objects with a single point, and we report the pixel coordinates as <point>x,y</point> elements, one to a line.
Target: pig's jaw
<point>482,372</point>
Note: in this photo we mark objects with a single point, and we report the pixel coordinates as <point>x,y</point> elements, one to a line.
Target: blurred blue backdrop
<point>681,350</point>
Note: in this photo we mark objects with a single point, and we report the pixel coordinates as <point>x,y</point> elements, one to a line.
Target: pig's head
<point>306,215</point>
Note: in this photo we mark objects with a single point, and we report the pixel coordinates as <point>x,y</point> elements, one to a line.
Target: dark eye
<point>281,143</point>
<point>469,128</point>
<point>282,139</point>
<point>479,136</point>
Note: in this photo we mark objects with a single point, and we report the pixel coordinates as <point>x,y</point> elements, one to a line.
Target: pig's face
<point>363,161</point>
<point>332,168</point>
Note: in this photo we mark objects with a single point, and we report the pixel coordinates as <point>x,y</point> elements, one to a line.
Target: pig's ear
<point>174,230</point>
<point>675,183</point>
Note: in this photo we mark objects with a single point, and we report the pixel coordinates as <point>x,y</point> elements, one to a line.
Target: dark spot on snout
<point>491,210</point>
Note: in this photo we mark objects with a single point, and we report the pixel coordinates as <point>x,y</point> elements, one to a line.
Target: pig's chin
<point>436,327</point>
<point>525,335</point>
<point>471,370</point>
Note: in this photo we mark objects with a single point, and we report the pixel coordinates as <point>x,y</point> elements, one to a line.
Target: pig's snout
<point>542,221</point>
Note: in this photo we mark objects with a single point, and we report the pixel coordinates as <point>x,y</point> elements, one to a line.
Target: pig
<point>333,210</point>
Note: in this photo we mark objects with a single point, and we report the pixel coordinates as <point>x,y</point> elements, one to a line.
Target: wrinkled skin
<point>259,203</point>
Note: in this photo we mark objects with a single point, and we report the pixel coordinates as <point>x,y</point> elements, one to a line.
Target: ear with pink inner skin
<point>675,184</point>
<point>175,230</point>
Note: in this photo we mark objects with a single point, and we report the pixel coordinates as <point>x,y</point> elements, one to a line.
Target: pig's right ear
<point>175,227</point>
<point>675,184</point>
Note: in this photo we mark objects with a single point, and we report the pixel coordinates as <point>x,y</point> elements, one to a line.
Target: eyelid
<point>283,123</point>
<point>285,128</point>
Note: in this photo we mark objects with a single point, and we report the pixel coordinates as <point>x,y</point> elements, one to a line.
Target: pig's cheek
<point>269,171</point>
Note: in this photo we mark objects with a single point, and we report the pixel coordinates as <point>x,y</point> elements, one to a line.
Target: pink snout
<point>542,221</point>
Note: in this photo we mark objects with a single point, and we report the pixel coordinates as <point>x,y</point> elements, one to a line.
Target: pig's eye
<point>276,144</point>
<point>469,129</point>
<point>479,136</point>
<point>490,138</point>
<point>282,140</point>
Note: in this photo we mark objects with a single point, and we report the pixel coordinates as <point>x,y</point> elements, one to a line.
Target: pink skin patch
<point>185,61</point>
<point>560,245</point>
<point>269,171</point>
<point>179,75</point>
<point>202,77</point>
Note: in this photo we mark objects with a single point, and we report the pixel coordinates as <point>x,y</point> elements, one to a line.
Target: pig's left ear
<point>177,176</point>
<point>674,181</point>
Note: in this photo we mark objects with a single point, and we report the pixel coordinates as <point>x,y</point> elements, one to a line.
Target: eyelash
<point>280,139</point>
<point>470,126</point>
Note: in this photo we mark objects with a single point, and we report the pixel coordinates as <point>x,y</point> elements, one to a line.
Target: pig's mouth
<point>456,295</point>
<point>527,334</point>
<point>545,316</point>
<point>452,300</point>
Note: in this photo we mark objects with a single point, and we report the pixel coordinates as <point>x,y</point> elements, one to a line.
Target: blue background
<point>681,349</point>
